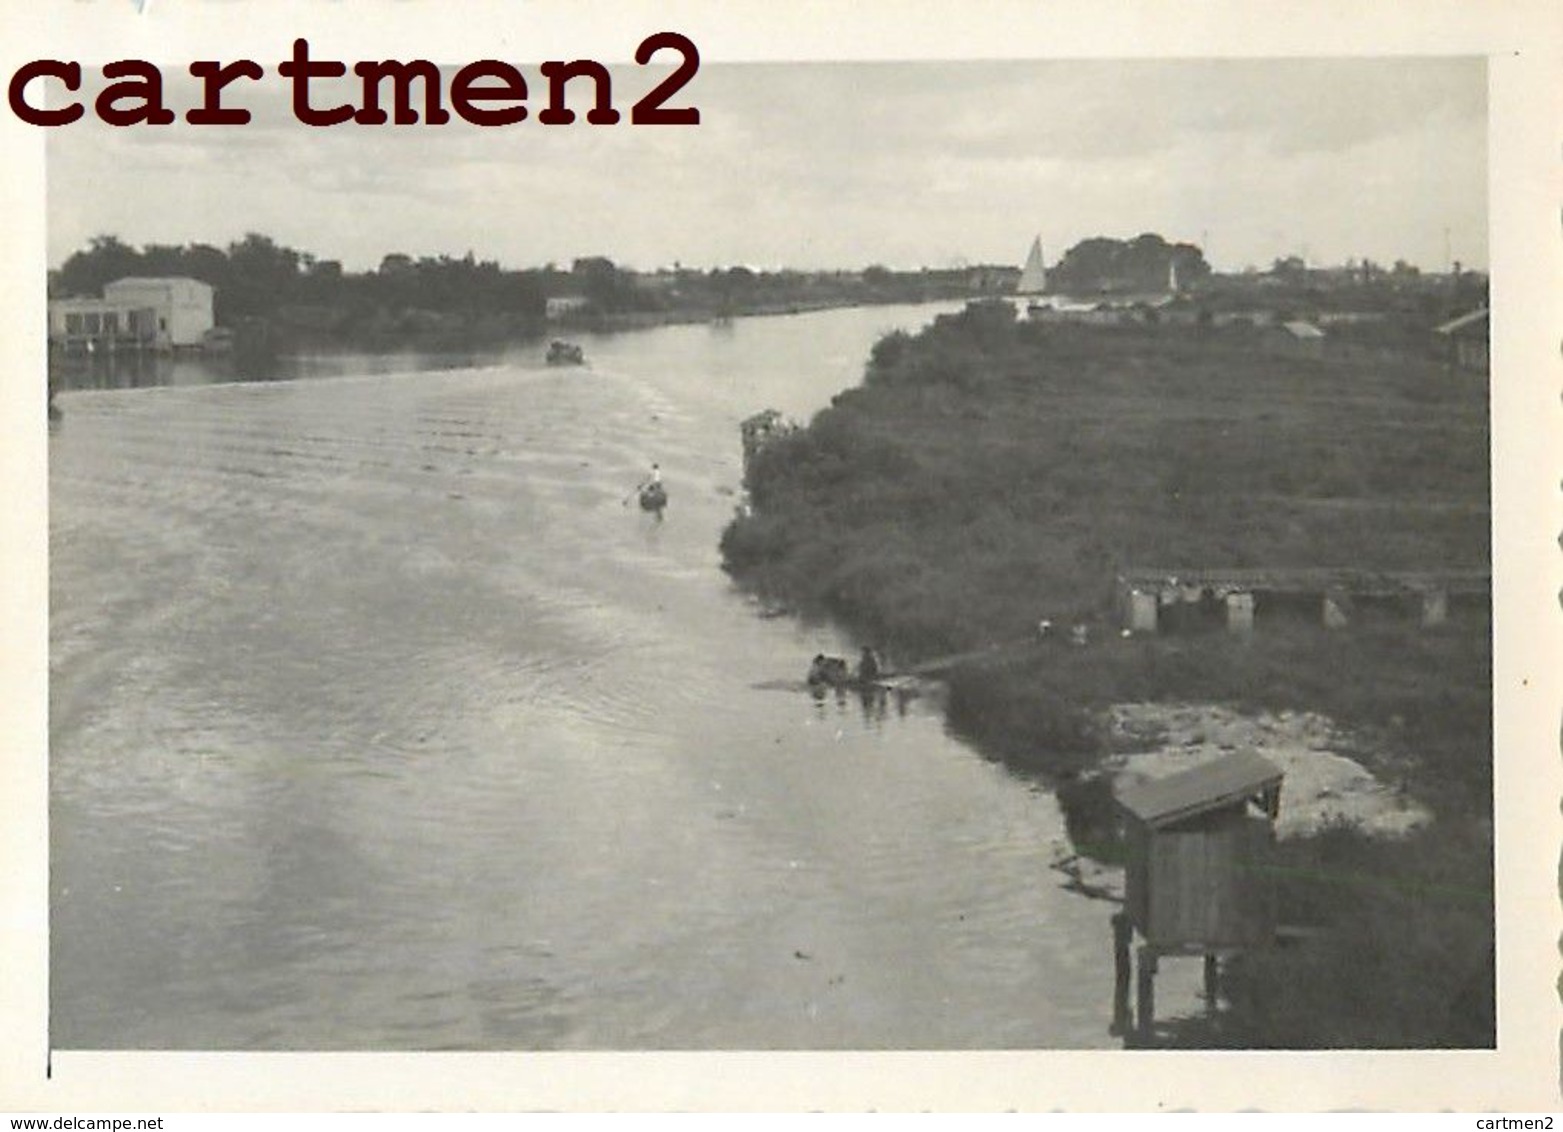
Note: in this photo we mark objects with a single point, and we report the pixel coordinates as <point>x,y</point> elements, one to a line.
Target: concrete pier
<point>1147,597</point>
<point>1336,604</point>
<point>1240,612</point>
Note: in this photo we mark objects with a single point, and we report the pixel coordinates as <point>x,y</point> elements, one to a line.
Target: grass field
<point>989,472</point>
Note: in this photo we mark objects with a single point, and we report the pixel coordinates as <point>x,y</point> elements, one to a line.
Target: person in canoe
<point>653,495</point>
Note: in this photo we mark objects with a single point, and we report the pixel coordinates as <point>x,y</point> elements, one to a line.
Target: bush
<point>1406,955</point>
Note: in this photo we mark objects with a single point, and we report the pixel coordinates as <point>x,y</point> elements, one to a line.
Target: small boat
<point>653,498</point>
<point>829,672</point>
<point>562,353</point>
<point>834,672</point>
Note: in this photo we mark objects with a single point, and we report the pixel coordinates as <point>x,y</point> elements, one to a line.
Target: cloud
<point>869,162</point>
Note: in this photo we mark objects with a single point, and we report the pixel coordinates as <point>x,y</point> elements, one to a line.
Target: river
<point>379,721</point>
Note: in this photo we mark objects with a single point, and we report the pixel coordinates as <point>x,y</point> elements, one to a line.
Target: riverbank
<point>989,474</point>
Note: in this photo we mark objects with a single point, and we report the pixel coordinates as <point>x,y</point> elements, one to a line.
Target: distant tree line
<point>1141,264</point>
<point>1291,288</point>
<point>296,295</point>
<point>287,296</point>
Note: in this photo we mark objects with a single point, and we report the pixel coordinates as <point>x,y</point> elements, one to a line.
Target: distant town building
<point>661,282</point>
<point>1182,311</point>
<point>86,325</point>
<point>558,306</point>
<point>989,279</point>
<point>1256,316</point>
<point>1303,338</point>
<point>1463,341</point>
<point>183,306</point>
<point>1349,318</point>
<point>137,312</point>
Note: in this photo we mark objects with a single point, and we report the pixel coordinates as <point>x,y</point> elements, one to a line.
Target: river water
<point>379,721</point>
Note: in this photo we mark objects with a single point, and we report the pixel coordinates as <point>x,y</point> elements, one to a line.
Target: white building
<point>134,313</point>
<point>88,325</point>
<point>559,306</point>
<point>182,307</point>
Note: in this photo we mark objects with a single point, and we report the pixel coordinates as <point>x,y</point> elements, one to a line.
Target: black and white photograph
<point>977,549</point>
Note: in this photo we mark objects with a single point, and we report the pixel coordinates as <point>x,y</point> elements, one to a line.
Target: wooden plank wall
<point>1204,888</point>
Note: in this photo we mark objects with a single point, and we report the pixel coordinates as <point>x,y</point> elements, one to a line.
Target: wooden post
<point>1335,606</point>
<point>1212,980</point>
<point>1240,612</point>
<point>1146,994</point>
<point>1140,611</point>
<point>1123,933</point>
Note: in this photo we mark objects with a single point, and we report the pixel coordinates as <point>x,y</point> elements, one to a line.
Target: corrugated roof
<point>1210,786</point>
<point>1455,325</point>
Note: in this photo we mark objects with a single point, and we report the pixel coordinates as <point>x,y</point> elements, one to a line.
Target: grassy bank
<point>989,473</point>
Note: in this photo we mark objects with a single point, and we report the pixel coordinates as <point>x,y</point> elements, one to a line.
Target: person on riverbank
<point>868,667</point>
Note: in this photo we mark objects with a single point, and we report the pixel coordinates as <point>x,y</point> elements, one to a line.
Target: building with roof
<point>1302,338</point>
<point>137,312</point>
<point>1197,841</point>
<point>1463,341</point>
<point>1197,877</point>
<point>183,307</point>
<point>556,307</point>
<point>87,325</point>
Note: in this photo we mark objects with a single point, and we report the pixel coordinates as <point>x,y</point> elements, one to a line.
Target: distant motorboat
<point>562,353</point>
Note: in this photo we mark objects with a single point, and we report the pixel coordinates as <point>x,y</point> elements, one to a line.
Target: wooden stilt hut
<point>1196,883</point>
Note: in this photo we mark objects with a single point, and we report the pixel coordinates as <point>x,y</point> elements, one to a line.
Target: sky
<point>833,165</point>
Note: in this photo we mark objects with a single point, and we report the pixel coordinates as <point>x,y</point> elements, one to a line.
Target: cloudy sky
<point>835,165</point>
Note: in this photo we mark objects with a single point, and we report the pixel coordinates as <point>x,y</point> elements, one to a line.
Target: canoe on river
<point>653,497</point>
<point>561,353</point>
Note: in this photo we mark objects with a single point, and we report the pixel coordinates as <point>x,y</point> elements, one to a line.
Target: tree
<point>208,264</point>
<point>602,283</point>
<point>162,259</point>
<point>106,259</point>
<point>263,276</point>
<point>1289,267</point>
<point>1141,264</point>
